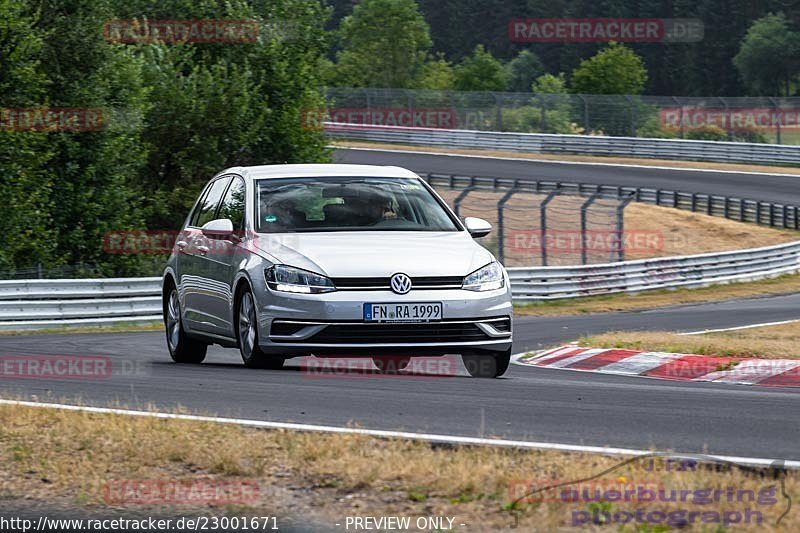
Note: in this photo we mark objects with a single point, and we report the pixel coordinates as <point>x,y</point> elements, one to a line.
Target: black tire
<point>487,366</point>
<point>247,335</point>
<point>182,348</point>
<point>390,364</point>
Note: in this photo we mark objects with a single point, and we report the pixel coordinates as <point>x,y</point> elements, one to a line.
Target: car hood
<point>377,254</point>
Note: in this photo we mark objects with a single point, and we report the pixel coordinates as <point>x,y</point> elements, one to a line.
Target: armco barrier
<point>52,303</point>
<point>552,283</point>
<point>40,304</point>
<point>541,143</point>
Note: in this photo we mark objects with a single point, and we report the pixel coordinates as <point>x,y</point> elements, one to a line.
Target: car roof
<point>319,171</point>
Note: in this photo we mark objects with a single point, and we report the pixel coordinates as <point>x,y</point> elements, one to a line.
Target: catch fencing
<point>745,119</point>
<point>592,145</point>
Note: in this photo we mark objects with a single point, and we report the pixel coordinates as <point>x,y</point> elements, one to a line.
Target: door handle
<point>202,249</point>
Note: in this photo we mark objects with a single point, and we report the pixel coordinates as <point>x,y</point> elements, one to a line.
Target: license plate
<point>410,312</point>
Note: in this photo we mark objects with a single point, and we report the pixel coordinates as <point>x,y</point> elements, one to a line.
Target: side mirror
<point>477,227</point>
<point>218,229</point>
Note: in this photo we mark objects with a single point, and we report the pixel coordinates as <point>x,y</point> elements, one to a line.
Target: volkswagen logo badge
<point>400,283</point>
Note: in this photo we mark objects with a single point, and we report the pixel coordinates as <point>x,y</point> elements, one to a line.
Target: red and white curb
<point>673,366</point>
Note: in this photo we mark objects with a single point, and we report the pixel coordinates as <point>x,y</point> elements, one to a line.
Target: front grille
<point>422,282</point>
<point>398,333</point>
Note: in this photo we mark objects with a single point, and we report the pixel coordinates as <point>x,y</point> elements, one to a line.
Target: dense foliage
<point>704,68</point>
<point>173,114</point>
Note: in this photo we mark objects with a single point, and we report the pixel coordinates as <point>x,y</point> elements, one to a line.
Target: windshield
<point>348,204</point>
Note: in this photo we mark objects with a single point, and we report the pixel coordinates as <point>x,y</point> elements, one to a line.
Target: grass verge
<point>769,342</point>
<point>116,328</point>
<point>738,167</point>
<point>53,455</point>
<point>661,298</point>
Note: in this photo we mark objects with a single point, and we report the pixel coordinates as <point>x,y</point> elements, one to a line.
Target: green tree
<point>436,74</point>
<point>480,72</point>
<point>550,84</point>
<point>94,190</point>
<point>213,106</point>
<point>768,56</point>
<point>523,70</point>
<point>27,235</point>
<point>614,70</point>
<point>384,43</point>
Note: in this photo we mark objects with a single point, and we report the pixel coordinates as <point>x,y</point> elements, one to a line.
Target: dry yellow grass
<point>52,455</point>
<point>686,233</point>
<point>578,158</point>
<point>772,342</point>
<point>651,231</point>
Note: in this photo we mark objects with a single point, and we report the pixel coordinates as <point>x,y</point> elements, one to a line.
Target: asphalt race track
<point>533,404</point>
<point>766,187</point>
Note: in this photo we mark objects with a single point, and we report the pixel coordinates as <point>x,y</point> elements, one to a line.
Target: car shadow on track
<point>325,369</point>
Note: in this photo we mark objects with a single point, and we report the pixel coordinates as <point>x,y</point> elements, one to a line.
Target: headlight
<point>289,279</point>
<point>487,278</point>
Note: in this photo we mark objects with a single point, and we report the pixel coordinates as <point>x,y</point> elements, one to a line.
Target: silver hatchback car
<point>334,260</point>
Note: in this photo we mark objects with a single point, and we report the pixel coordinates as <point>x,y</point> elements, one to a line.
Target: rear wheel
<point>182,348</point>
<point>390,365</point>
<point>247,331</point>
<point>487,365</point>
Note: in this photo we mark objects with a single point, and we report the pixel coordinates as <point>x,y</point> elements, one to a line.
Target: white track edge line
<point>562,162</point>
<point>749,326</point>
<point>428,437</point>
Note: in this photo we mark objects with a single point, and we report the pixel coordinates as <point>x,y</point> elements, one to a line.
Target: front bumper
<point>332,323</point>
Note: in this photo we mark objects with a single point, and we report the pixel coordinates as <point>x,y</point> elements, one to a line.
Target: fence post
<point>680,116</point>
<point>727,119</point>
<point>621,227</point>
<point>584,208</point>
<point>501,222</point>
<point>778,116</point>
<point>632,115</point>
<point>460,198</point>
<point>585,114</point>
<point>498,102</point>
<point>543,223</point>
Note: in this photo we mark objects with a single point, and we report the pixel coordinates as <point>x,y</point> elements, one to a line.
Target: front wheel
<point>247,330</point>
<point>487,366</point>
<point>182,348</point>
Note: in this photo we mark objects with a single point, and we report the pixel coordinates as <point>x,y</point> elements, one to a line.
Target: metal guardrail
<point>541,143</point>
<point>42,304</point>
<point>551,283</point>
<point>53,303</point>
